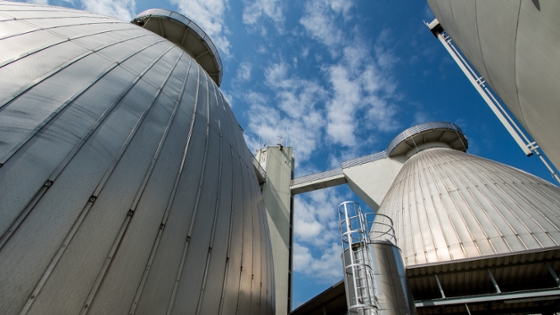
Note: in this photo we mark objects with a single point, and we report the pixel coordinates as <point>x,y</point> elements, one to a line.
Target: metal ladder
<point>356,260</point>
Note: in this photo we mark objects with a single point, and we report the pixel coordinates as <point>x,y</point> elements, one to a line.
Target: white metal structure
<point>476,235</point>
<point>126,186</point>
<point>358,276</point>
<point>392,293</point>
<point>527,146</point>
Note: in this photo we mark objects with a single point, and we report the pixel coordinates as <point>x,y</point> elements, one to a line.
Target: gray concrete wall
<point>371,181</point>
<point>279,164</point>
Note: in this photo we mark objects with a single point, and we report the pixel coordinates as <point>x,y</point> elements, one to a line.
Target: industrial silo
<point>514,45</point>
<point>126,186</point>
<point>476,235</point>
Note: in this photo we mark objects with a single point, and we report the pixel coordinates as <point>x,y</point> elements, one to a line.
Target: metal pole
<point>478,82</point>
<point>494,281</point>
<point>439,286</point>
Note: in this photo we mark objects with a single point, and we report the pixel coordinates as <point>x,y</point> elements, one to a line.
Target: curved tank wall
<point>126,186</point>
<point>514,45</point>
<point>448,205</point>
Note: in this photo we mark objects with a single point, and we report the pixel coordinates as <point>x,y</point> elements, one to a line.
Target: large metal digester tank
<point>126,186</point>
<point>472,231</point>
<point>514,45</point>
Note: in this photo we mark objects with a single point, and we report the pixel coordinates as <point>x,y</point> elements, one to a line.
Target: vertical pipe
<point>392,293</point>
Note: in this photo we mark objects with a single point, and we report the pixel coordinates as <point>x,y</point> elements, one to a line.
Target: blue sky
<point>336,79</point>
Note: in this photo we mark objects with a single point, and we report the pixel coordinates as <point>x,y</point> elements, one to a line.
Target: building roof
<point>186,34</point>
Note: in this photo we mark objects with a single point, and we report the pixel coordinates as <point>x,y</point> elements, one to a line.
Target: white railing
<point>364,159</point>
<point>316,176</point>
<point>257,165</point>
<point>192,25</point>
<point>420,128</point>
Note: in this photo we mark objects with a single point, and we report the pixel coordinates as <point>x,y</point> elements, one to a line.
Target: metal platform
<point>186,34</point>
<point>525,283</point>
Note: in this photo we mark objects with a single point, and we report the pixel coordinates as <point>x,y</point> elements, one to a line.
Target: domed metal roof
<point>413,137</point>
<point>448,205</point>
<point>186,34</point>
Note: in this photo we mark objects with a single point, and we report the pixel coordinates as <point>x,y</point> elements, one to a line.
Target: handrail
<point>382,229</point>
<point>193,26</point>
<point>258,165</point>
<point>420,128</point>
<point>364,159</point>
<point>316,176</point>
<point>378,155</point>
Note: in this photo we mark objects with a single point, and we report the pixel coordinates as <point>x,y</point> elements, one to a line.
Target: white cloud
<point>38,1</point>
<point>360,80</point>
<point>120,9</point>
<point>305,52</point>
<point>209,15</point>
<point>244,71</point>
<point>341,6</point>
<point>259,9</point>
<point>319,21</point>
<point>362,96</point>
<point>386,58</point>
<point>342,108</point>
<point>317,246</point>
<point>327,268</point>
<point>315,217</point>
<point>420,118</point>
<point>293,112</point>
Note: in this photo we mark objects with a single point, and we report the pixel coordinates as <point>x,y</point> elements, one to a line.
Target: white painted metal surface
<point>392,293</point>
<point>126,186</point>
<point>513,45</point>
<point>448,205</point>
<point>529,147</point>
<point>184,33</point>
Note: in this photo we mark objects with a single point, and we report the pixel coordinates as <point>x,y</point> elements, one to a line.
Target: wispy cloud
<point>38,1</point>
<point>326,269</point>
<point>121,9</point>
<point>320,22</point>
<point>351,98</point>
<point>244,71</point>
<point>317,241</point>
<point>258,10</point>
<point>362,95</point>
<point>293,113</point>
<point>208,14</point>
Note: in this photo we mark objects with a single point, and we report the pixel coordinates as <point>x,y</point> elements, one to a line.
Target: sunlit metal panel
<point>125,181</point>
<point>513,45</point>
<point>449,205</point>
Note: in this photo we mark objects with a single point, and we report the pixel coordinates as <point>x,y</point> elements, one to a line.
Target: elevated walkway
<point>317,181</point>
<point>371,176</point>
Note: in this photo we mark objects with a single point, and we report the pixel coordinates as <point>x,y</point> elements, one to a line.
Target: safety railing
<point>257,165</point>
<point>192,25</point>
<point>376,156</point>
<point>420,128</point>
<point>365,159</point>
<point>316,176</point>
<point>382,229</point>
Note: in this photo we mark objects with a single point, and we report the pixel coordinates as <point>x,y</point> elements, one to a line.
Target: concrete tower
<point>278,162</point>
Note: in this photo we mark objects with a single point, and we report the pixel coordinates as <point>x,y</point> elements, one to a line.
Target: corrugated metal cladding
<point>449,205</point>
<point>126,186</point>
<point>514,45</point>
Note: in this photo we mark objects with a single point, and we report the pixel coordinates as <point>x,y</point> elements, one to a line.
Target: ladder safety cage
<point>358,275</point>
